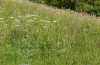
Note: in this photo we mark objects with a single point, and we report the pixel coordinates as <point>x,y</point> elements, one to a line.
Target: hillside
<point>34,34</point>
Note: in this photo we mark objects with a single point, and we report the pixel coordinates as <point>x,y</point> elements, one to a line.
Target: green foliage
<point>96,10</point>
<point>97,3</point>
<point>81,6</point>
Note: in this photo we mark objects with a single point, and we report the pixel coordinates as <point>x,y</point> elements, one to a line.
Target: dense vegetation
<point>34,34</point>
<point>89,6</point>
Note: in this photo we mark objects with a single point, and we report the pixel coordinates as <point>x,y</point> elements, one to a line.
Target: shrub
<point>55,3</point>
<point>97,3</point>
<point>91,2</point>
<point>81,6</point>
<point>97,11</point>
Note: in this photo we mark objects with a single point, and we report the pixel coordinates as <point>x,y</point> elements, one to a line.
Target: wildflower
<point>17,20</point>
<point>20,16</point>
<point>54,21</point>
<point>12,17</point>
<point>45,27</point>
<point>30,20</point>
<point>65,28</point>
<point>27,35</point>
<point>16,25</point>
<point>43,20</point>
<point>30,15</point>
<point>2,21</point>
<point>1,18</point>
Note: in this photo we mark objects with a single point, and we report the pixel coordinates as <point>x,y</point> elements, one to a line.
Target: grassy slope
<point>40,35</point>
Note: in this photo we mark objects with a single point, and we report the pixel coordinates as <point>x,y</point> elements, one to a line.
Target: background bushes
<point>88,6</point>
<point>81,6</point>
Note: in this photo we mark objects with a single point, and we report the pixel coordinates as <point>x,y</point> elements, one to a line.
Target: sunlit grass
<point>33,34</point>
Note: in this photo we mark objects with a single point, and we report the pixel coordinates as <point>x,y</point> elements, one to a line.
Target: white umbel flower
<point>54,21</point>
<point>1,18</point>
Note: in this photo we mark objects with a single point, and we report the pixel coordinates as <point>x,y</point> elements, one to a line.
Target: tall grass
<point>34,34</point>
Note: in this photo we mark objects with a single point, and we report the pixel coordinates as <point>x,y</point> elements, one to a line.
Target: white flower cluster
<point>28,19</point>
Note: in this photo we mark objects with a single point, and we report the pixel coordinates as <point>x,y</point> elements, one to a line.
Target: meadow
<point>36,34</point>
